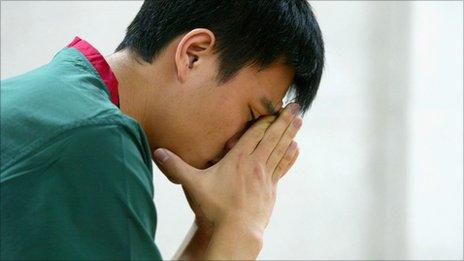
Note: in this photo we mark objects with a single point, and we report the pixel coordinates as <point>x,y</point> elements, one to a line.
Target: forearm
<point>234,242</point>
<point>194,245</point>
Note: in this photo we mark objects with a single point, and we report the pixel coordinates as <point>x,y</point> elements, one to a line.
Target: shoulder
<point>110,149</point>
<point>41,103</point>
<point>115,139</point>
<point>112,144</point>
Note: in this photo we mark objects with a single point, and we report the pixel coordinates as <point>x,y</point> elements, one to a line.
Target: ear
<point>192,48</point>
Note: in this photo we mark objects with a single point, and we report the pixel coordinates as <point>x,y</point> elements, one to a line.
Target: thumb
<point>175,169</point>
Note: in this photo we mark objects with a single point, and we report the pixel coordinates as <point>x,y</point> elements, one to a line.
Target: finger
<point>286,162</point>
<point>251,138</point>
<point>295,157</point>
<point>281,148</point>
<point>274,133</point>
<point>175,169</point>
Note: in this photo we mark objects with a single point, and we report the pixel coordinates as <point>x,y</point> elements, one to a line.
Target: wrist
<point>238,221</point>
<point>234,240</point>
<point>244,230</point>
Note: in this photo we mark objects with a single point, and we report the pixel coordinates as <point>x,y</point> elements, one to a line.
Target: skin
<point>238,194</point>
<point>180,104</point>
<point>202,125</point>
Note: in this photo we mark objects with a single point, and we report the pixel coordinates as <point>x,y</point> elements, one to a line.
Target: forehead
<point>273,83</point>
<point>252,85</point>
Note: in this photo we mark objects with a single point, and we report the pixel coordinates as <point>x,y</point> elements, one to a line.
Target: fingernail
<point>294,108</point>
<point>161,155</point>
<point>293,145</point>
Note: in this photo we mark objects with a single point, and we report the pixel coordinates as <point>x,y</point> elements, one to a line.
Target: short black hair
<point>248,32</point>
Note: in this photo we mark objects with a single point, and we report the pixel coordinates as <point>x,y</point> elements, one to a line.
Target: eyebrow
<point>268,105</point>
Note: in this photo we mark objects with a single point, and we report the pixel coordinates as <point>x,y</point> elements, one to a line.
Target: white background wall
<point>380,174</point>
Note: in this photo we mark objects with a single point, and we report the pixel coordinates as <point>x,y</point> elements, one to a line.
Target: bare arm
<point>195,244</point>
<point>234,240</point>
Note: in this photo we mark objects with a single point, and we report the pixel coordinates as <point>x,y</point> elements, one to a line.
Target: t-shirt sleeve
<point>92,200</point>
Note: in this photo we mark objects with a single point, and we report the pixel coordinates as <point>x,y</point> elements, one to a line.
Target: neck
<point>145,89</point>
<point>131,81</point>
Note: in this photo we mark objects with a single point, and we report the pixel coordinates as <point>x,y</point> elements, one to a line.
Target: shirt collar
<point>100,65</point>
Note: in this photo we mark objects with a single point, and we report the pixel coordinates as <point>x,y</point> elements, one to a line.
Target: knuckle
<point>272,164</point>
<point>258,172</point>
<point>273,138</point>
<point>281,151</point>
<point>285,160</point>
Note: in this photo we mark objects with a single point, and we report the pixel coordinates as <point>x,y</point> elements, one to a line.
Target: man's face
<point>205,119</point>
<point>199,118</point>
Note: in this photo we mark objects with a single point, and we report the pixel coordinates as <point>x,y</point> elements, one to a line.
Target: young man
<point>198,83</point>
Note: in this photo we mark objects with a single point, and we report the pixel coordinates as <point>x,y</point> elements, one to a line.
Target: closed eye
<point>253,119</point>
<point>252,115</point>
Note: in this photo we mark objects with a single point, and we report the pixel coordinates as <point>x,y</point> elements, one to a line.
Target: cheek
<point>211,120</point>
<point>225,121</point>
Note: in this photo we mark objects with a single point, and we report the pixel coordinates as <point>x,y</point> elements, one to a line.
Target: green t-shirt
<point>76,173</point>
